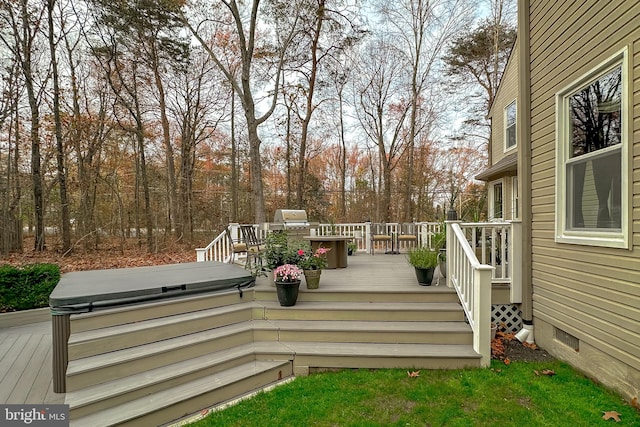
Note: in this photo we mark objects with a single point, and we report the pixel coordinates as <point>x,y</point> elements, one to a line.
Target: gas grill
<point>293,221</point>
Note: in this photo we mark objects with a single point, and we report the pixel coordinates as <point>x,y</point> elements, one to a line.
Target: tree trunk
<point>60,156</point>
<point>302,160</point>
<point>168,148</point>
<point>235,183</point>
<point>24,36</point>
<point>257,189</point>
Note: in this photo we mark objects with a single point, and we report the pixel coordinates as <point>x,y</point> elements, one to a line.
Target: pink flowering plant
<point>310,260</point>
<point>287,273</point>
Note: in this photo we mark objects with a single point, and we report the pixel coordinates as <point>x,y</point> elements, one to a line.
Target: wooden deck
<point>25,365</point>
<point>26,350</point>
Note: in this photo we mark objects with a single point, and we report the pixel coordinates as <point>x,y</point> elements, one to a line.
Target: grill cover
<point>294,221</point>
<point>291,217</point>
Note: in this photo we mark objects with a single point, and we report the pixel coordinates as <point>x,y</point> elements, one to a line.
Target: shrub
<point>27,287</point>
<point>423,257</point>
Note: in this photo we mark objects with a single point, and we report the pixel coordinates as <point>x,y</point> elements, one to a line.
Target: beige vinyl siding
<point>506,94</point>
<point>593,293</point>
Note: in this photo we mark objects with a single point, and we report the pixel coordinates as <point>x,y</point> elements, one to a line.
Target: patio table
<point>337,256</point>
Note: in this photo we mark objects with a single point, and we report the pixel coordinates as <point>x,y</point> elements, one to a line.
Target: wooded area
<point>165,120</point>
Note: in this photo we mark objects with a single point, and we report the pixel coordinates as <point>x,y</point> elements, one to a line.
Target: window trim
<point>515,198</point>
<point>492,201</point>
<point>505,127</point>
<point>590,237</point>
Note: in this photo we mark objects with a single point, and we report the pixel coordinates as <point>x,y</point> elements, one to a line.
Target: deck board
<point>25,365</point>
<point>26,350</point>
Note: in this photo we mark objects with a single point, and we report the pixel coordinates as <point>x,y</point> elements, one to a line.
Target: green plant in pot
<point>424,261</point>
<point>352,247</point>
<point>312,263</point>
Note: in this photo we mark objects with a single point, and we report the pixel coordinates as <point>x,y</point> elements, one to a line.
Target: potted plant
<point>276,247</point>
<point>287,280</point>
<point>352,247</point>
<point>279,250</point>
<point>312,264</point>
<point>424,261</point>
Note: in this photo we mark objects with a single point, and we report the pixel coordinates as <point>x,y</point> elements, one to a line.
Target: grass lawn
<point>518,394</point>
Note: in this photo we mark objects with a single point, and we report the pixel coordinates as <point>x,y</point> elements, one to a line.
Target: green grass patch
<point>505,395</point>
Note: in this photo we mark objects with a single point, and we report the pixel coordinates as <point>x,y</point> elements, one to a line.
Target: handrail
<point>220,248</point>
<point>472,282</point>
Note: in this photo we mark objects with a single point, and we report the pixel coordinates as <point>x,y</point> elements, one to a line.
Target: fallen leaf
<point>634,403</point>
<point>608,415</point>
<point>507,361</point>
<point>413,374</point>
<point>531,345</point>
<point>548,372</point>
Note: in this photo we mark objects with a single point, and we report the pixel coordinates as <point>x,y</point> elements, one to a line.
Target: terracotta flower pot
<point>312,277</point>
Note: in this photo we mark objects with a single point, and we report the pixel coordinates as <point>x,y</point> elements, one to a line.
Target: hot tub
<point>87,291</point>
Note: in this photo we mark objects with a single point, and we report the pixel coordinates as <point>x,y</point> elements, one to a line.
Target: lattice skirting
<point>507,317</point>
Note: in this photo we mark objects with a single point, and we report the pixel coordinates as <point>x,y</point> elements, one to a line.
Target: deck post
<point>60,331</point>
<point>367,236</point>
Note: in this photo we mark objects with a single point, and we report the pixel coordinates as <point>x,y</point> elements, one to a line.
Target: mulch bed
<point>507,348</point>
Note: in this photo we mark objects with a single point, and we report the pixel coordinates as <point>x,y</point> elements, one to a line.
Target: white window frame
<point>515,200</point>
<point>492,202</point>
<point>614,238</point>
<point>508,147</point>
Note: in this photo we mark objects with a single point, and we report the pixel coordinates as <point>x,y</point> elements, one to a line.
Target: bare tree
<point>60,146</point>
<point>10,190</point>
<point>326,31</point>
<point>241,24</point>
<point>423,29</point>
<point>195,104</point>
<point>24,21</point>
<point>383,107</point>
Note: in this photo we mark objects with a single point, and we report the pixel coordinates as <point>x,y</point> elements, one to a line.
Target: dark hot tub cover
<point>84,291</point>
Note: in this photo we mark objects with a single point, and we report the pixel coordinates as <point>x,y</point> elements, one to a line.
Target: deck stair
<point>154,363</point>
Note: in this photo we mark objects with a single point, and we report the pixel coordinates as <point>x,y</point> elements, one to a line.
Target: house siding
<point>592,293</point>
<point>506,94</point>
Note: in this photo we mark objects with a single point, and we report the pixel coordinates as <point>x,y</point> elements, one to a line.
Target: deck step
<point>364,331</point>
<point>104,367</point>
<point>185,399</point>
<point>422,294</point>
<point>310,356</point>
<point>312,310</point>
<point>118,337</point>
<point>102,396</point>
<point>153,310</point>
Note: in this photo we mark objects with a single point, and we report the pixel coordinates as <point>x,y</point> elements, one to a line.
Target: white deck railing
<point>220,249</point>
<point>498,244</point>
<point>478,254</point>
<point>472,282</point>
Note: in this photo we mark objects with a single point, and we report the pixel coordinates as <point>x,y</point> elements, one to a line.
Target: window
<point>495,192</point>
<point>514,198</point>
<point>510,126</point>
<point>592,166</point>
